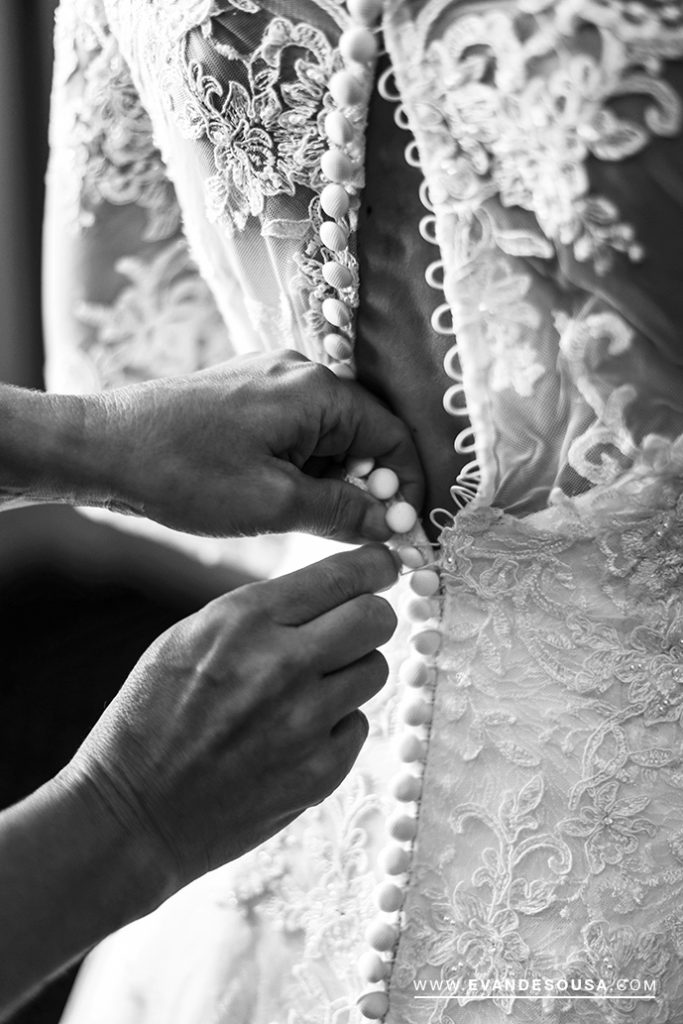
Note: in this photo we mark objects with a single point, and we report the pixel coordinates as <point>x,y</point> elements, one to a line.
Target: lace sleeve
<point>124,300</point>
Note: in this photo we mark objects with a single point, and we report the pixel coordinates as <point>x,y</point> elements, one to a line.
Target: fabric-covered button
<point>411,557</point>
<point>338,129</point>
<point>381,935</point>
<point>389,898</point>
<point>373,1005</point>
<point>358,44</point>
<point>383,484</point>
<point>333,236</point>
<point>365,11</point>
<point>411,748</point>
<point>407,788</point>
<point>337,275</point>
<point>343,370</point>
<point>417,712</point>
<point>371,967</point>
<point>420,609</point>
<point>413,673</point>
<point>336,312</point>
<point>345,89</point>
<point>359,467</point>
<point>425,582</point>
<point>395,860</point>
<point>338,347</point>
<point>427,642</point>
<point>401,517</point>
<point>334,201</point>
<point>403,828</point>
<point>336,165</point>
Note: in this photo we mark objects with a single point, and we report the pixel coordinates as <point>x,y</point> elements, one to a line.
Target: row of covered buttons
<point>418,675</point>
<point>349,89</point>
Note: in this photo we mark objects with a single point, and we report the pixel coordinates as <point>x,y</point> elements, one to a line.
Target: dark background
<point>79,601</point>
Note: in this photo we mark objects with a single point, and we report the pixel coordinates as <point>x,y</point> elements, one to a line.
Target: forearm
<point>69,876</point>
<point>53,448</point>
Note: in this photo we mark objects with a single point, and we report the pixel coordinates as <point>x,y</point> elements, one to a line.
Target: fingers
<point>377,434</point>
<point>308,593</point>
<point>340,511</point>
<point>345,691</point>
<point>347,739</point>
<point>348,633</point>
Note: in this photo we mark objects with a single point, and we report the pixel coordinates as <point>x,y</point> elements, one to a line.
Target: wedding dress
<point>538,871</point>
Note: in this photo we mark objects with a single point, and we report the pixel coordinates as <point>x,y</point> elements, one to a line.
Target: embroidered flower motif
<point>267,136</point>
<point>163,323</point>
<point>105,144</point>
<point>490,945</point>
<point>608,955</point>
<point>528,136</point>
<point>609,826</point>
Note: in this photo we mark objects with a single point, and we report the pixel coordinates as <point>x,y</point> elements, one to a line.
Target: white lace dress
<point>545,878</point>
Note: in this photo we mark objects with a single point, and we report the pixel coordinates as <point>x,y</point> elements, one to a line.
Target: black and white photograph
<point>341,511</point>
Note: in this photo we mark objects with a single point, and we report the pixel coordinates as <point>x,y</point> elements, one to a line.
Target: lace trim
<point>466,486</point>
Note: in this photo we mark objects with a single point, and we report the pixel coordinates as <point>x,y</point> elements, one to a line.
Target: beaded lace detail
<point>559,702</point>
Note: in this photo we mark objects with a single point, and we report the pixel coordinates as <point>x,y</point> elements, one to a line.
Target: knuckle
<point>246,604</point>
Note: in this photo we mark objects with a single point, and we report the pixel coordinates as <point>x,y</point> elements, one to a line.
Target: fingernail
<point>375,524</point>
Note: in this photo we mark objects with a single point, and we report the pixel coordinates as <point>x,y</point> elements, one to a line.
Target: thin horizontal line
<point>548,995</point>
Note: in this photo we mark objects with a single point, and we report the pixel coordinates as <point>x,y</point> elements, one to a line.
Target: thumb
<point>340,511</point>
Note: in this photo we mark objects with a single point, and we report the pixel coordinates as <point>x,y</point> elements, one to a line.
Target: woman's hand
<point>243,715</point>
<point>252,446</point>
<point>232,723</point>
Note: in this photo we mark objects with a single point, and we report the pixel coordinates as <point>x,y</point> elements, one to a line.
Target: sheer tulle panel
<point>124,300</point>
<point>240,100</point>
<point>550,141</point>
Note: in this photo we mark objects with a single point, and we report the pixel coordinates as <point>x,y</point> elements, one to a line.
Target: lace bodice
<point>187,139</point>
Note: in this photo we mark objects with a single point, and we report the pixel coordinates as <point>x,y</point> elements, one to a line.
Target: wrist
<point>122,864</point>
<point>49,451</point>
<point>69,877</point>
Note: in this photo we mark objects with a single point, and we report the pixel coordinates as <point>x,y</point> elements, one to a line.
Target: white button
<point>345,89</point>
<point>395,860</point>
<point>343,370</point>
<point>373,1005</point>
<point>411,557</point>
<point>371,967</point>
<point>336,312</point>
<point>333,236</point>
<point>417,712</point>
<point>425,582</point>
<point>359,467</point>
<point>334,201</point>
<point>358,44</point>
<point>381,936</point>
<point>404,828</point>
<point>365,11</point>
<point>413,673</point>
<point>383,484</point>
<point>338,347</point>
<point>427,642</point>
<point>407,788</point>
<point>337,275</point>
<point>336,165</point>
<point>412,748</point>
<point>401,517</point>
<point>338,129</point>
<point>389,898</point>
<point>421,609</point>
